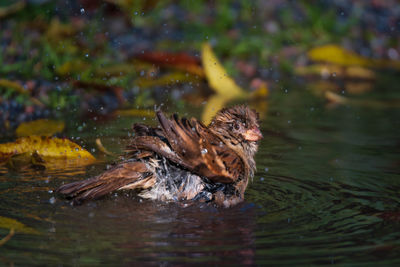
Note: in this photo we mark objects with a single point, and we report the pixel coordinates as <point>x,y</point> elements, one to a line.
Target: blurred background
<point>100,56</point>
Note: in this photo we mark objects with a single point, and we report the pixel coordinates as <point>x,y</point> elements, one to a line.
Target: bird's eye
<point>236,126</point>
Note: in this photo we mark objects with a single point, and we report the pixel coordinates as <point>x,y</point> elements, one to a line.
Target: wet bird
<point>183,160</point>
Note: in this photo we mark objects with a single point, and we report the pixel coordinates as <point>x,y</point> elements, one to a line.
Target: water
<point>326,192</point>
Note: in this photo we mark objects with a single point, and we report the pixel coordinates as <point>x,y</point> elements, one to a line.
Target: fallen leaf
<point>103,149</point>
<point>22,161</point>
<point>225,87</point>
<point>213,105</point>
<point>18,227</point>
<point>338,55</point>
<point>342,100</point>
<point>7,237</point>
<point>48,148</point>
<point>42,127</point>
<point>181,61</point>
<point>217,77</point>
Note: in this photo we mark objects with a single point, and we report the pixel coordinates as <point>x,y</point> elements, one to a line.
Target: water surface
<point>327,191</point>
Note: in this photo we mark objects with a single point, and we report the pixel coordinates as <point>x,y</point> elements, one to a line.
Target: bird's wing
<point>128,175</point>
<point>199,150</point>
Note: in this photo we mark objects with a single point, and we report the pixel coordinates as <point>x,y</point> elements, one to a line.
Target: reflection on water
<point>326,191</point>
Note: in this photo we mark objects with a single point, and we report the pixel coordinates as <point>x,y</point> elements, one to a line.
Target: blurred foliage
<point>97,57</point>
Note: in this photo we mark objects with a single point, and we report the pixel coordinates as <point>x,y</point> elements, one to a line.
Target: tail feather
<point>128,175</point>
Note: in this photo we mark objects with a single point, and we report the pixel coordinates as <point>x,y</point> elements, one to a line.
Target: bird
<point>183,160</point>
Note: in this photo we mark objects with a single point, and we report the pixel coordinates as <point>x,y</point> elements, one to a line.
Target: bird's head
<point>237,124</point>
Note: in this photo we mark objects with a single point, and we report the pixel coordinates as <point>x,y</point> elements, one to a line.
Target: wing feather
<point>200,150</point>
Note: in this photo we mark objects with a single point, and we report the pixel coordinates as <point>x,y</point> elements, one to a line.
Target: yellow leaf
<point>213,105</point>
<point>42,127</point>
<point>342,100</point>
<point>225,87</point>
<point>261,92</point>
<point>47,148</point>
<point>7,237</point>
<point>9,223</point>
<point>335,98</point>
<point>103,149</point>
<point>20,161</point>
<point>217,76</point>
<point>338,55</point>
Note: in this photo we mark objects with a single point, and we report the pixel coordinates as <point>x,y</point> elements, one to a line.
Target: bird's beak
<point>253,135</point>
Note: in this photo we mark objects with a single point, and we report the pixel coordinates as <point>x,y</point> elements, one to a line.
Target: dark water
<point>327,191</point>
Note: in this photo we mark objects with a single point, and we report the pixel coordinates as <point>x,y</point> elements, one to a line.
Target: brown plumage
<point>183,160</point>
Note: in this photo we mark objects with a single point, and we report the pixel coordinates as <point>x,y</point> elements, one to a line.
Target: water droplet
<point>204,151</point>
<point>52,200</point>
